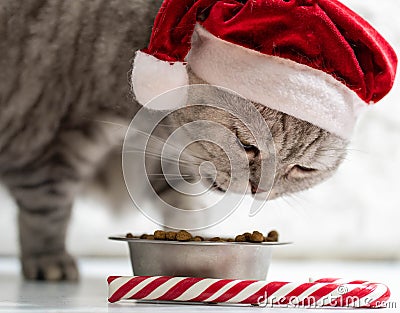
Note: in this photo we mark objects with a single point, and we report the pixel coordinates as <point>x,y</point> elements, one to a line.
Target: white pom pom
<point>152,77</point>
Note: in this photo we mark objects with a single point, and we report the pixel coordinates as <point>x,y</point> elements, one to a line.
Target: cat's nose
<point>255,188</point>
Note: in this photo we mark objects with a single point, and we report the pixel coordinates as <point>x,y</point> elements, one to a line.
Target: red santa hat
<point>313,59</point>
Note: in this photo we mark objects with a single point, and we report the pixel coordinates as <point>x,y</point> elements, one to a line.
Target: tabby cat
<point>64,68</point>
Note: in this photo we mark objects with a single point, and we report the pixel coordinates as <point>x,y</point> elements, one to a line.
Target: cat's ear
<point>158,84</point>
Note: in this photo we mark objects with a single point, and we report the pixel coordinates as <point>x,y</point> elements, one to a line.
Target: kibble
<point>183,235</point>
<point>215,239</point>
<point>256,236</point>
<point>159,235</point>
<point>247,236</point>
<point>272,236</point>
<point>170,235</point>
<point>240,238</point>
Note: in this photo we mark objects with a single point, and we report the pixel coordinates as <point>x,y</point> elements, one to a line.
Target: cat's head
<point>304,154</point>
<point>321,72</point>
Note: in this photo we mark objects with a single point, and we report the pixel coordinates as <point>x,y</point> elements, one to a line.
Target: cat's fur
<point>64,65</point>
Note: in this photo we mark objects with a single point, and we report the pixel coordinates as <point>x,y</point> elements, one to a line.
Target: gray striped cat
<point>64,66</point>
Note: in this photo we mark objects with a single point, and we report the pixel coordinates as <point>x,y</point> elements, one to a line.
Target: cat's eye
<point>300,171</point>
<point>246,146</point>
<point>304,168</point>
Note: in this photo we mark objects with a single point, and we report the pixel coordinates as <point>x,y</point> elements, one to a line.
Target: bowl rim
<point>197,243</point>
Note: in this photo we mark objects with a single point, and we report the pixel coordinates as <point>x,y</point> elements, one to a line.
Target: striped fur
<point>64,66</point>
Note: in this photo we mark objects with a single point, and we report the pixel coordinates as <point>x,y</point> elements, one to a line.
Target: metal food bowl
<point>229,260</point>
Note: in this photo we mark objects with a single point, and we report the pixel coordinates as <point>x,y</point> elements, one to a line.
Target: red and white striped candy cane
<point>188,289</point>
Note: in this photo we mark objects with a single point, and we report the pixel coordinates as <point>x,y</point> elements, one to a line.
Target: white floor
<point>90,294</point>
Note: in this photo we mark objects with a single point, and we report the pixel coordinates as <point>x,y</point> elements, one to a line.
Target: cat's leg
<point>44,196</point>
<point>44,191</point>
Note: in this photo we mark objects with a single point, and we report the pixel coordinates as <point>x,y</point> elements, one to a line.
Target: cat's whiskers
<point>168,175</point>
<point>179,175</point>
<point>169,178</point>
<point>162,157</point>
<point>192,153</point>
<point>176,177</point>
<point>163,142</point>
<point>296,204</point>
<point>285,199</point>
<point>336,157</point>
<point>342,150</point>
<point>109,123</point>
<point>151,137</point>
<point>166,125</point>
<point>188,151</point>
<point>296,198</point>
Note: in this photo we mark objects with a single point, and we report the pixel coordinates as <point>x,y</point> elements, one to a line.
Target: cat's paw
<point>54,267</point>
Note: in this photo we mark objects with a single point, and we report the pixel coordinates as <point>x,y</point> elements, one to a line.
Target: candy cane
<point>320,293</point>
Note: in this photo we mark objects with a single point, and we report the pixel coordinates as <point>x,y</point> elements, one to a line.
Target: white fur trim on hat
<point>284,85</point>
<point>152,77</point>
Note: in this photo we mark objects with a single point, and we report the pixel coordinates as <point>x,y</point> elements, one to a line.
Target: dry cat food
<point>184,235</point>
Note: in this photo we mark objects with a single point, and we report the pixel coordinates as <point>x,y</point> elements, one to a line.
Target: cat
<point>64,69</point>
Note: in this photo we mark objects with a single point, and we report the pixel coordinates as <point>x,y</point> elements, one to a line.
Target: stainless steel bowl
<point>229,260</point>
